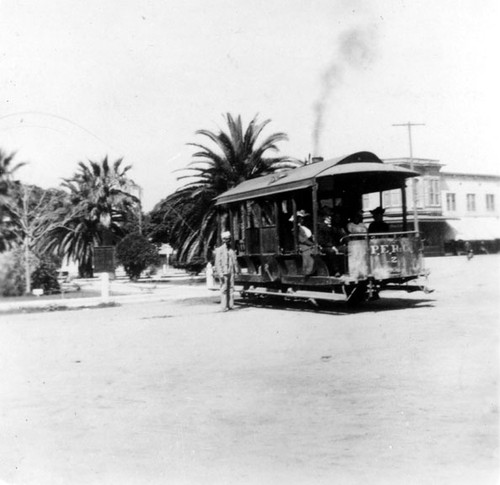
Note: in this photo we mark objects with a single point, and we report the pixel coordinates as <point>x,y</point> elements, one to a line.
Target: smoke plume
<point>355,50</point>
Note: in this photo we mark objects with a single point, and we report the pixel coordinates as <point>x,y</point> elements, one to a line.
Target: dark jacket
<point>378,226</point>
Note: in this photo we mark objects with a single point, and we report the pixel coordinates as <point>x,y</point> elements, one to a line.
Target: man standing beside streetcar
<point>226,266</point>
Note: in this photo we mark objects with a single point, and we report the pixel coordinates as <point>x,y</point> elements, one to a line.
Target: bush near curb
<point>136,254</point>
<point>45,276</point>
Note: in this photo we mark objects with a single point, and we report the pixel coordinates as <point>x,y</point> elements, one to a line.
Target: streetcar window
<point>253,219</point>
<point>268,216</point>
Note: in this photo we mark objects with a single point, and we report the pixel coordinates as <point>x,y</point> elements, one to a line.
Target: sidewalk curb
<point>182,292</point>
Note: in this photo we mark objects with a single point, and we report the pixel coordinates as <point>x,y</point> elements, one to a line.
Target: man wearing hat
<point>306,243</point>
<point>378,224</point>
<point>226,266</point>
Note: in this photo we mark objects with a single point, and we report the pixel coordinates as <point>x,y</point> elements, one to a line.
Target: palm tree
<point>6,169</point>
<point>7,184</point>
<point>100,202</point>
<point>236,155</point>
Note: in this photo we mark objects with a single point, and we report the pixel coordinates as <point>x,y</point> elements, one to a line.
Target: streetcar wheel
<point>356,295</point>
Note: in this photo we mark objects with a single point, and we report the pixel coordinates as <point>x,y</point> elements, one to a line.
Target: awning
<point>474,229</point>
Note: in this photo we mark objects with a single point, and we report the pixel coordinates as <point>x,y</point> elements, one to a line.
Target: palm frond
<point>100,197</point>
<point>232,155</point>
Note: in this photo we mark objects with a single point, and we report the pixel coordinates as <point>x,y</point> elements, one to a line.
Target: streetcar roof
<point>363,170</point>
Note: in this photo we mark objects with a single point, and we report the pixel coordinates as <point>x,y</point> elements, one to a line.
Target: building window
<point>432,193</point>
<point>396,198</point>
<point>392,198</point>
<point>490,202</point>
<point>366,201</point>
<point>471,202</point>
<point>451,204</point>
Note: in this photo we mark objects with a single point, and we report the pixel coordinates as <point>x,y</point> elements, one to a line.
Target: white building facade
<point>451,208</point>
<point>471,205</point>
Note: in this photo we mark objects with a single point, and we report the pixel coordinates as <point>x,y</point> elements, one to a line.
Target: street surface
<point>403,390</point>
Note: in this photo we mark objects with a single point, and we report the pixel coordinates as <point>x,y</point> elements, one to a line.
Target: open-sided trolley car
<point>260,213</point>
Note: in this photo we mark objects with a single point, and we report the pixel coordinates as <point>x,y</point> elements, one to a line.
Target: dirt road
<point>403,390</point>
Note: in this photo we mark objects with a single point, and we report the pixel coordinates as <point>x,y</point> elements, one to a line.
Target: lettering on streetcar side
<point>389,248</point>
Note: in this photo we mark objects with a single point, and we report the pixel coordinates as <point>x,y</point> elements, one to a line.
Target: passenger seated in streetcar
<point>378,224</point>
<point>331,230</point>
<point>338,228</point>
<point>306,242</point>
<point>325,233</point>
<point>356,225</point>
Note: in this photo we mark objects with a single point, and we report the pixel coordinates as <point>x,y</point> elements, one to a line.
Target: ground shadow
<point>196,300</point>
<point>57,308</point>
<point>334,307</point>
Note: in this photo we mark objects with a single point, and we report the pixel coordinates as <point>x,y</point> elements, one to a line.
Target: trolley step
<point>299,294</point>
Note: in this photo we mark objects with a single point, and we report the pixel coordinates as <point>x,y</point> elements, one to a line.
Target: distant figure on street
<point>209,276</point>
<point>356,225</point>
<point>468,250</point>
<point>378,224</point>
<point>226,266</point>
<point>482,248</point>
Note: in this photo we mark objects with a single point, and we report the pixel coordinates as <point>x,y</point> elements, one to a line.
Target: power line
<point>56,116</point>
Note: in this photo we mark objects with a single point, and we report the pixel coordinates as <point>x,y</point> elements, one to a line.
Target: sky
<point>81,80</point>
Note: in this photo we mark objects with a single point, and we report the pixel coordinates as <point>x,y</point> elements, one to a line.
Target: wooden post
<point>259,221</point>
<point>315,216</point>
<point>276,227</point>
<point>403,207</point>
<point>295,233</point>
<point>219,229</point>
<point>105,287</point>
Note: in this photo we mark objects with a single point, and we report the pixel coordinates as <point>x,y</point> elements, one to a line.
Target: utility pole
<point>414,182</point>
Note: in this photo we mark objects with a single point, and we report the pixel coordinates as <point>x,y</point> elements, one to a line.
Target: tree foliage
<point>7,184</point>
<point>12,271</point>
<point>188,215</point>
<point>136,254</point>
<point>30,211</point>
<point>7,171</point>
<point>43,272</point>
<point>158,224</point>
<point>100,202</point>
<point>45,275</point>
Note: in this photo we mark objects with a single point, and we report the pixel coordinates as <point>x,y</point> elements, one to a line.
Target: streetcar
<point>262,215</point>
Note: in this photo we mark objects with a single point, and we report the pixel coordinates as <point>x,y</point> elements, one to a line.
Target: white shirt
<point>305,234</point>
<point>354,228</point>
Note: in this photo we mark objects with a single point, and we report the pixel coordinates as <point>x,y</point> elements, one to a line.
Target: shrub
<point>12,272</point>
<point>136,253</point>
<point>12,281</point>
<point>45,276</point>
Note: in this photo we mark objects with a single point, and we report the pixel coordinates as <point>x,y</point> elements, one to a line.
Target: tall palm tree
<point>235,155</point>
<point>100,201</point>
